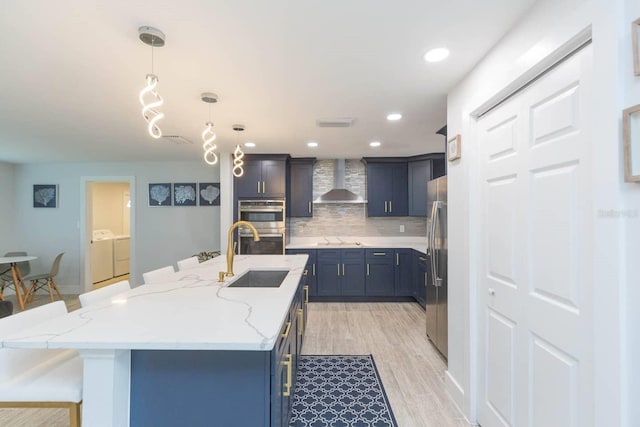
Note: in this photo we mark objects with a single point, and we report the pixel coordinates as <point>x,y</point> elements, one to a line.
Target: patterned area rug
<point>340,391</point>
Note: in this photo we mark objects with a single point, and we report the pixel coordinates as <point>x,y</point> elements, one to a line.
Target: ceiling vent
<point>177,139</point>
<point>343,122</point>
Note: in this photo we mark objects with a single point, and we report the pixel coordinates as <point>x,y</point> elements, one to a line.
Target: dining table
<point>17,276</point>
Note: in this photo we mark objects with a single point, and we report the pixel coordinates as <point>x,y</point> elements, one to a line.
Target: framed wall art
<point>45,195</point>
<point>209,193</point>
<point>453,148</point>
<point>635,37</point>
<point>184,194</point>
<point>631,143</point>
<point>160,194</point>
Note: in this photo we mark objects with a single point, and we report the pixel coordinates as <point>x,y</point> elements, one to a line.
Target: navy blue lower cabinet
<point>404,272</point>
<point>380,275</point>
<point>420,279</point>
<point>341,272</point>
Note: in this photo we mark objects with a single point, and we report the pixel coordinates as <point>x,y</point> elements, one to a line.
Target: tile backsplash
<point>345,219</point>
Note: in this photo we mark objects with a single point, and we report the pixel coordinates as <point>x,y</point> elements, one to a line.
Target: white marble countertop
<point>344,242</point>
<point>190,311</point>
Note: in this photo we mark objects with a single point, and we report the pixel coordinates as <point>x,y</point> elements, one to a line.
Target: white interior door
<point>535,330</point>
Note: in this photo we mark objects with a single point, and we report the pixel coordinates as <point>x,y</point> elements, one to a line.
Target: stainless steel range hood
<point>339,194</point>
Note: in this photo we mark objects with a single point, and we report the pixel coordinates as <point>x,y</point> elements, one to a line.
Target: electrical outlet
<point>402,228</point>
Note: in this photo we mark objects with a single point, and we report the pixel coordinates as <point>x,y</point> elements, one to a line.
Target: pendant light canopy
<point>208,135</point>
<point>149,97</point>
<point>238,155</point>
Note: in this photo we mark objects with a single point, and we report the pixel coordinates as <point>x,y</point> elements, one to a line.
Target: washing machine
<point>121,255</point>
<point>102,255</point>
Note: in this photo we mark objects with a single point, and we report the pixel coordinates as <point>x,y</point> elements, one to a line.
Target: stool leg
<point>74,415</point>
<point>55,286</point>
<point>50,290</point>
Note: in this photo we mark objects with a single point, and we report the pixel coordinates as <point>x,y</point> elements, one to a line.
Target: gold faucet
<point>231,244</point>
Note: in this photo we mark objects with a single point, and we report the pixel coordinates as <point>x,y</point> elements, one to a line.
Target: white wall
<point>548,25</point>
<point>108,212</point>
<point>631,193</point>
<point>7,235</point>
<point>162,235</point>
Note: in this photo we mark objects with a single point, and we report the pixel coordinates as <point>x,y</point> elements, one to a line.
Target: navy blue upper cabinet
<point>300,187</point>
<point>264,177</point>
<point>387,187</point>
<point>422,169</point>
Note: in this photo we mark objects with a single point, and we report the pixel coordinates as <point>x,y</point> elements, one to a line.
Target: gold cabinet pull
<point>287,385</point>
<point>301,321</point>
<point>421,258</point>
<point>379,254</point>
<point>367,269</point>
<point>306,294</point>
<point>286,331</point>
<point>304,273</point>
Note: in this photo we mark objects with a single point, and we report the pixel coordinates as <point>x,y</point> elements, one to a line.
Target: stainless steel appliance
<point>437,324</point>
<point>268,217</point>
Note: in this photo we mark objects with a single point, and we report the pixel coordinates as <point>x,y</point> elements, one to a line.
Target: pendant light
<point>208,135</point>
<point>238,163</point>
<point>154,38</point>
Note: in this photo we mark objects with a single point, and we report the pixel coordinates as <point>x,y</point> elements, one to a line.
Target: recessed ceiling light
<point>375,144</point>
<point>312,144</point>
<point>436,55</point>
<point>250,144</point>
<point>394,116</point>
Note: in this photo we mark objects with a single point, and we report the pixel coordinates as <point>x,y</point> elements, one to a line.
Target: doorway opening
<point>108,235</point>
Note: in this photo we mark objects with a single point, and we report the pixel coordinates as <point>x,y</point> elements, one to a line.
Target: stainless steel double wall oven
<point>268,217</point>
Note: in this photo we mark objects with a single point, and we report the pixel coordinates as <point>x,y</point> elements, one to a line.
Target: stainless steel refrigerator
<point>436,309</point>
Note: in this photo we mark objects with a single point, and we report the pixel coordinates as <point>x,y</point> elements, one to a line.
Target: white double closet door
<point>535,294</point>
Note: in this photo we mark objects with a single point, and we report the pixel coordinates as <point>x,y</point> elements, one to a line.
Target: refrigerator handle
<point>434,254</point>
<point>432,229</point>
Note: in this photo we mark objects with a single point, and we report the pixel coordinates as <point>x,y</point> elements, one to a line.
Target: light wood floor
<point>412,371</point>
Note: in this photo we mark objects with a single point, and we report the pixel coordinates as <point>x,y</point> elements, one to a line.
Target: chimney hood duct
<point>339,194</point>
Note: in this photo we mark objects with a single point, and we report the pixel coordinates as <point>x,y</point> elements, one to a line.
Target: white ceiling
<point>71,72</point>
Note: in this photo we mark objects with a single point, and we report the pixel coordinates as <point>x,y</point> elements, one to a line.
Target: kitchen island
<point>188,351</point>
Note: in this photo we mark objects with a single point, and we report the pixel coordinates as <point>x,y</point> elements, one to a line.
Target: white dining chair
<point>159,275</point>
<point>91,297</point>
<point>186,263</point>
<point>39,378</point>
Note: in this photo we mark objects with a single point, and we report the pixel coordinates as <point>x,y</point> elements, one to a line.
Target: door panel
<point>535,283</point>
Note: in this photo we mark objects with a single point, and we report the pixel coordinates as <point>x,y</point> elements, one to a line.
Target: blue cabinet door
<point>378,189</point>
<point>420,278</point>
<point>352,274</point>
<point>398,199</point>
<point>300,200</point>
<point>404,272</point>
<point>380,274</point>
<point>329,272</point>
<point>273,179</point>
<point>249,185</point>
<point>419,174</point>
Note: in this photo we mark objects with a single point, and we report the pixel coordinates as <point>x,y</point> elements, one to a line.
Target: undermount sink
<point>260,279</point>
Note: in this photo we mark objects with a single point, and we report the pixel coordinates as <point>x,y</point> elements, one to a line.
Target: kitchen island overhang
<point>191,324</point>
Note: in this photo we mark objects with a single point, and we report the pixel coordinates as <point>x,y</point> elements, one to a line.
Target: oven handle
<point>261,210</point>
